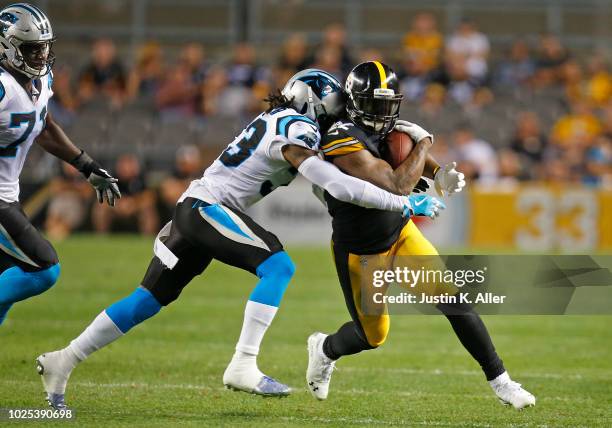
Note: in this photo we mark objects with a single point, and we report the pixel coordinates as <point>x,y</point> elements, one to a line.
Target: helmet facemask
<point>377,113</point>
<point>34,59</point>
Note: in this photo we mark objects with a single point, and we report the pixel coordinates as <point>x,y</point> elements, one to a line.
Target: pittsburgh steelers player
<point>366,237</point>
<point>209,223</point>
<point>28,263</point>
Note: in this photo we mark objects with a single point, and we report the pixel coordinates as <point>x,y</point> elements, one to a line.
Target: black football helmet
<point>373,97</point>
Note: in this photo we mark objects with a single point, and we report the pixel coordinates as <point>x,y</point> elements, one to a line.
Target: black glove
<point>421,186</point>
<point>99,178</point>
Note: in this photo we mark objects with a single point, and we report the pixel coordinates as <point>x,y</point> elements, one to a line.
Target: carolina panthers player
<point>369,239</point>
<point>209,223</point>
<point>28,262</point>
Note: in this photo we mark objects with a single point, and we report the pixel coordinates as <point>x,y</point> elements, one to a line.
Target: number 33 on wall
<point>540,218</point>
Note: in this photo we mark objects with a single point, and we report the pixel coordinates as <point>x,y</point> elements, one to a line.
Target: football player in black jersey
<point>365,239</point>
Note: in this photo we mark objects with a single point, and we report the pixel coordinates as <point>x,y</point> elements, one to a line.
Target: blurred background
<point>519,93</point>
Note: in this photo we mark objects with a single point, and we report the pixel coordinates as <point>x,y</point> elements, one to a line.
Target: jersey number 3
<point>238,152</point>
<point>17,119</point>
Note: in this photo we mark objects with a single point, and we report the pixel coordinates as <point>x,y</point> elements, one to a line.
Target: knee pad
<point>274,273</point>
<point>134,309</point>
<point>278,265</point>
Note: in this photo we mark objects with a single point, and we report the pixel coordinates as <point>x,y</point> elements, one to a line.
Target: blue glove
<point>425,205</point>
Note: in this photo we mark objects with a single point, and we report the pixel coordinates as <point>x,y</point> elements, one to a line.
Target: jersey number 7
<point>17,119</point>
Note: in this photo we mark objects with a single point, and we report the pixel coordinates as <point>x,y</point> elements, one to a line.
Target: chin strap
<point>311,110</point>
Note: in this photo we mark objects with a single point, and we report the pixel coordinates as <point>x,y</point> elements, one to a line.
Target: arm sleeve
<point>350,189</point>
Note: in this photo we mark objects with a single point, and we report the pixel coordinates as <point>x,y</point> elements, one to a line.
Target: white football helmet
<point>316,94</point>
<point>26,38</point>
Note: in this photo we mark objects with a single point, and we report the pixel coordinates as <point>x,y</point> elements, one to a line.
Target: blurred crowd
<point>535,111</point>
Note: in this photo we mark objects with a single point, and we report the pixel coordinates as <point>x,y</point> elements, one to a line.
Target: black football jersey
<point>357,229</point>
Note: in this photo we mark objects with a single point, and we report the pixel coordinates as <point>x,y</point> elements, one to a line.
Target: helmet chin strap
<point>311,107</point>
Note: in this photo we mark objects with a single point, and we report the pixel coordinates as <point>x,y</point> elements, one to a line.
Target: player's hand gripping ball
<point>398,147</point>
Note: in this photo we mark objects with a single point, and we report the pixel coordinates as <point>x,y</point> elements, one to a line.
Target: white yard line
<point>437,372</point>
<point>374,421</point>
<point>353,391</point>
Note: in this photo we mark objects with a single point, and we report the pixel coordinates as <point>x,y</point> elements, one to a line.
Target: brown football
<point>399,146</point>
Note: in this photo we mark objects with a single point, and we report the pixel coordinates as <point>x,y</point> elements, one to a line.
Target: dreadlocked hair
<point>276,100</point>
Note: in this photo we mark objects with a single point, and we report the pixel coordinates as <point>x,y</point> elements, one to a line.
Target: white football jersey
<point>22,118</point>
<point>253,164</point>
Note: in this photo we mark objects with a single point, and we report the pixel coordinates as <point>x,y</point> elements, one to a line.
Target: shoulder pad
<point>283,123</point>
<point>342,138</point>
<point>348,137</point>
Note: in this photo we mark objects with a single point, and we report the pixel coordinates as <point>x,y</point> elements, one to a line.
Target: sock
<point>275,273</point>
<point>98,334</point>
<point>115,321</point>
<point>257,319</point>
<point>133,309</point>
<point>346,341</point>
<point>474,337</point>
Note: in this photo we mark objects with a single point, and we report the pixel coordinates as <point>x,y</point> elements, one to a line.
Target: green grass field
<point>168,370</point>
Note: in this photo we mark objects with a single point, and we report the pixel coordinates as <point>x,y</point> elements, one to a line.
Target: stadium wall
<point>529,217</point>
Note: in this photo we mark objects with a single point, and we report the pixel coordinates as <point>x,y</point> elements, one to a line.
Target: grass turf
<point>168,371</point>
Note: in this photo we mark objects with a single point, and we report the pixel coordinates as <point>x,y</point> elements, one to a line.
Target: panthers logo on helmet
<point>9,17</point>
<point>315,94</point>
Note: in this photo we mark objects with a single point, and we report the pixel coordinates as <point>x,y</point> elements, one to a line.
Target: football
<point>398,147</point>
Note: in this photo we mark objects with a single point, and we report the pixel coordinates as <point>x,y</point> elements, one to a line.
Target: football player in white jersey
<point>28,263</point>
<point>209,223</point>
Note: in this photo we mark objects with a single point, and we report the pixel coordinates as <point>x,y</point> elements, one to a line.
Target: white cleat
<point>54,369</point>
<point>511,392</point>
<point>242,374</point>
<point>320,367</point>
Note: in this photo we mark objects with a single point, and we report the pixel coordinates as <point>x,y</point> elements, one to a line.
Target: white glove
<point>413,130</point>
<point>448,179</point>
<point>105,185</point>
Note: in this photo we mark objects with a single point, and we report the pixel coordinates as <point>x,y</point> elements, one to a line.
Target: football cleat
<point>243,375</point>
<point>511,393</point>
<point>54,369</point>
<point>320,367</point>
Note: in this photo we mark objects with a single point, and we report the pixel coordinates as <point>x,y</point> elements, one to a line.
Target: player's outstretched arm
<point>55,141</point>
<point>342,186</point>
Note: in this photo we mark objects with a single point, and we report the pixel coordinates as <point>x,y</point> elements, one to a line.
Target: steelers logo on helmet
<point>373,97</point>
